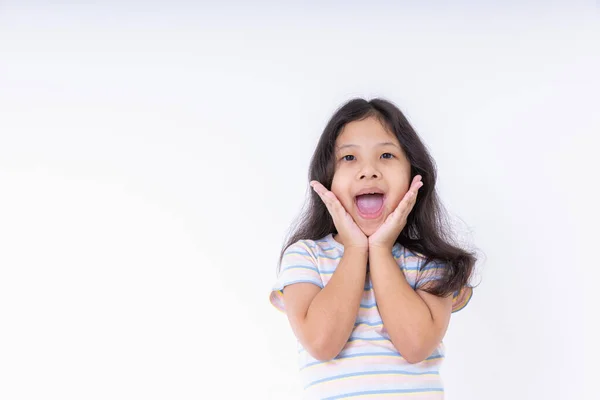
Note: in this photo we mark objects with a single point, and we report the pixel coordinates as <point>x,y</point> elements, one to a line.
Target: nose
<point>369,172</point>
<point>372,176</point>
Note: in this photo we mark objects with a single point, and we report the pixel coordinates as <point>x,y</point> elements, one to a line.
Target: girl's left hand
<point>388,232</point>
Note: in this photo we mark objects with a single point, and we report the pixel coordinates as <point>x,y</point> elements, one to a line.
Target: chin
<point>369,230</point>
<point>370,226</point>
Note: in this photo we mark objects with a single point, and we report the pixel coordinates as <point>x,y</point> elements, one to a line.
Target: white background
<point>152,158</point>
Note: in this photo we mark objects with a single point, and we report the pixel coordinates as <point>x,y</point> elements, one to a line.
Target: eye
<point>387,155</point>
<point>348,158</point>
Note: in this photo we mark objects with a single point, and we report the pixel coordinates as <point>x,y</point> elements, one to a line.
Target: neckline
<point>334,242</point>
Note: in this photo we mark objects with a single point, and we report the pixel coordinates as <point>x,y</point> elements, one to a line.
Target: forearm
<point>332,313</point>
<point>405,315</point>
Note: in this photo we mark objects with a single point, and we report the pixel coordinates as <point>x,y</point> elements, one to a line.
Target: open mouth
<point>370,203</point>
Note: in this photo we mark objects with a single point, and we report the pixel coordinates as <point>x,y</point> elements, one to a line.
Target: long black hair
<point>426,231</point>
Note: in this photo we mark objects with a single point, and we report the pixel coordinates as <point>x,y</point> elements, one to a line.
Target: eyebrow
<point>355,145</point>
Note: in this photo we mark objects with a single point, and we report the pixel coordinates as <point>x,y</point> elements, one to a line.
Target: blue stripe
<point>354,394</point>
<point>366,373</point>
<point>330,257</point>
<point>284,284</point>
<point>418,268</point>
<point>340,357</point>
<point>354,338</point>
<point>304,253</point>
<point>369,323</point>
<point>312,244</point>
<point>317,247</point>
<point>328,248</point>
<point>368,305</point>
<point>328,272</point>
<point>387,353</point>
<point>320,255</point>
<point>373,339</point>
<point>300,267</point>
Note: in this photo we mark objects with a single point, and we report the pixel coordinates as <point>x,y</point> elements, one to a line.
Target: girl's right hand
<point>350,234</point>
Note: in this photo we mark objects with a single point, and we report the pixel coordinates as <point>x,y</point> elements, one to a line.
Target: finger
<point>414,188</point>
<point>319,189</point>
<point>408,197</point>
<point>323,193</point>
<point>331,201</point>
<point>406,204</point>
<point>411,198</point>
<point>411,201</point>
<point>417,182</point>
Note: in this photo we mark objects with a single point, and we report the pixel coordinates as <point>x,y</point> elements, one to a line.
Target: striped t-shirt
<point>369,366</point>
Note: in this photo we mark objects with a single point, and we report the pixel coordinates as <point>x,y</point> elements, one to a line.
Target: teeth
<point>362,194</point>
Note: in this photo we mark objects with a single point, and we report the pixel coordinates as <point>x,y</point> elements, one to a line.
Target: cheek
<point>395,198</point>
<point>399,191</point>
<point>342,191</point>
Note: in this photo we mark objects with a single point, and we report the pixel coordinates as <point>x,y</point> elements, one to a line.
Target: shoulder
<point>302,252</point>
<point>407,259</point>
<point>419,261</point>
<point>315,249</point>
<point>302,247</point>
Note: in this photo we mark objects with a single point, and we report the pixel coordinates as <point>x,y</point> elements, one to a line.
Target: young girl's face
<point>372,174</point>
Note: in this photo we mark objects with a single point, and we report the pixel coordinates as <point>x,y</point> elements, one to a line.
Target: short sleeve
<point>298,265</point>
<point>432,272</point>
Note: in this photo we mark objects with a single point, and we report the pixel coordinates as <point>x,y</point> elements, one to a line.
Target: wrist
<point>356,250</point>
<point>380,243</point>
<point>379,250</point>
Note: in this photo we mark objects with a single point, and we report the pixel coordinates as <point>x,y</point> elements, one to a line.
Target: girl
<point>368,279</point>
